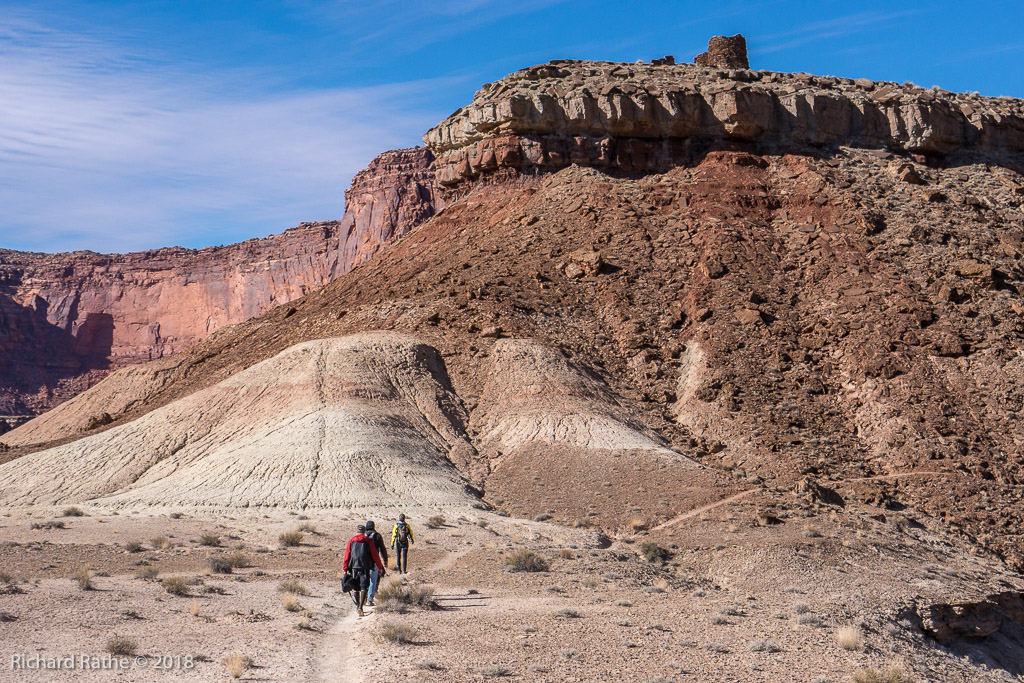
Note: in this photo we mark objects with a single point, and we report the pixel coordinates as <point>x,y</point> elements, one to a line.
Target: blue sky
<point>135,125</point>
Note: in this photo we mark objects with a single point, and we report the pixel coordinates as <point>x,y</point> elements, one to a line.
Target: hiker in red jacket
<point>361,557</point>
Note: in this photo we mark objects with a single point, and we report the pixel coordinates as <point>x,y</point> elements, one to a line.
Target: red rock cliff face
<point>66,320</point>
<point>392,195</point>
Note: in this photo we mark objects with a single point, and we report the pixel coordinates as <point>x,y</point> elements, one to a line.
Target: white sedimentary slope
<point>535,395</point>
<point>361,421</point>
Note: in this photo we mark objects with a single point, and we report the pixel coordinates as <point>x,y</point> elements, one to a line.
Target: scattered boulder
<point>725,52</point>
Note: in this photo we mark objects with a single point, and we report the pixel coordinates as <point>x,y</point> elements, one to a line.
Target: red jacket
<point>359,552</point>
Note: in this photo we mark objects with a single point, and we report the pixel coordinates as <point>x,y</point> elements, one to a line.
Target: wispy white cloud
<point>106,150</point>
<point>828,29</point>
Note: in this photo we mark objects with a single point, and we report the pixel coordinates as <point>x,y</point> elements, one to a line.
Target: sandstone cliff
<point>648,117</point>
<point>68,319</point>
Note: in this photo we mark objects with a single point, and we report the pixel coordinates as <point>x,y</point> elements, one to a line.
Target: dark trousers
<point>402,557</point>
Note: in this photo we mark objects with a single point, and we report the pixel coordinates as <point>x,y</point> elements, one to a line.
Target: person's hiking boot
<point>360,612</point>
<point>369,603</point>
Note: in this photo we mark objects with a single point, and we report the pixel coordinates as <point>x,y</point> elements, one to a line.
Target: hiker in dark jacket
<point>360,558</point>
<point>401,537</point>
<point>382,550</point>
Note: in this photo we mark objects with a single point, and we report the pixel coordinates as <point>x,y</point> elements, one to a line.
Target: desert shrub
<point>809,619</point>
<point>525,561</point>
<point>434,522</point>
<point>309,529</point>
<point>122,647</point>
<point>290,602</point>
<point>849,638</point>
<point>177,515</point>
<point>210,540</point>
<point>567,614</point>
<point>653,552</point>
<point>160,542</point>
<point>238,560</point>
<point>292,586</point>
<point>891,675</point>
<point>811,533</point>
<point>801,608</point>
<point>237,665</point>
<point>719,620</point>
<point>5,577</point>
<point>638,524</point>
<point>220,565</point>
<point>84,579</point>
<point>175,585</point>
<point>398,633</point>
<point>590,582</point>
<point>566,554</point>
<point>730,611</point>
<point>214,590</point>
<point>50,524</point>
<point>133,547</point>
<point>542,517</point>
<point>290,539</point>
<point>397,596</point>
<point>494,671</point>
<point>72,512</point>
<point>429,666</point>
<point>147,573</point>
<point>763,646</point>
<point>194,607</point>
<point>6,617</point>
<point>306,622</point>
<point>570,653</point>
<point>482,523</point>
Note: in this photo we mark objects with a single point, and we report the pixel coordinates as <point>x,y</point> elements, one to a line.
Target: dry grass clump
<point>638,524</point>
<point>653,552</point>
<point>525,561</point>
<point>72,512</point>
<point>309,528</point>
<point>290,602</point>
<point>210,540</point>
<point>763,646</point>
<point>194,607</point>
<point>394,632</point>
<point>175,585</point>
<point>890,675</point>
<point>121,646</point>
<point>398,597</point>
<point>220,565</point>
<point>238,560</point>
<point>849,638</point>
<point>567,614</point>
<point>84,579</point>
<point>808,619</point>
<point>290,539</point>
<point>160,542</point>
<point>50,524</point>
<point>434,522</point>
<point>237,665</point>
<point>494,671</point>
<point>147,573</point>
<point>292,586</point>
<point>133,547</point>
<point>5,577</point>
<point>7,617</point>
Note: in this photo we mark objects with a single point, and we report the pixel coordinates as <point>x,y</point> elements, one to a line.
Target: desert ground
<point>820,593</point>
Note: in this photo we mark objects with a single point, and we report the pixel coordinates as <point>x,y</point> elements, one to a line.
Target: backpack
<point>403,533</point>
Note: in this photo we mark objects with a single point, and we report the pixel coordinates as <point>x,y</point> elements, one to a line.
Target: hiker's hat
<point>369,525</point>
<point>360,528</point>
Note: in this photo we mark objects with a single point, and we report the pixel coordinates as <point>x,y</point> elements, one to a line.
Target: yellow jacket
<point>394,533</point>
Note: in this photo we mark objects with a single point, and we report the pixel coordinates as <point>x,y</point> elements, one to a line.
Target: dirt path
<point>335,651</point>
<point>705,508</point>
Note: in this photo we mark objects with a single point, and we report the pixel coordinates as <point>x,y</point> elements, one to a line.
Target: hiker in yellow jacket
<point>401,537</point>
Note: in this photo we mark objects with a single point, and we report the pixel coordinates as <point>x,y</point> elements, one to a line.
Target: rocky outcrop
<point>947,622</point>
<point>387,199</point>
<point>66,319</point>
<point>648,117</point>
<point>725,52</point>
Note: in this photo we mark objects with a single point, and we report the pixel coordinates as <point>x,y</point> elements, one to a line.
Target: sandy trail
<point>705,508</point>
<point>336,649</point>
